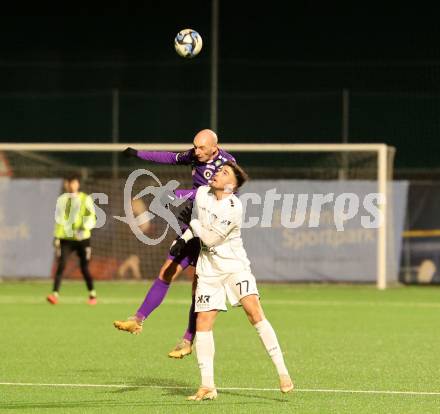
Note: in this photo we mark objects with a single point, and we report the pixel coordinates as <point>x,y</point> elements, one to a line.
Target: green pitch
<point>350,349</point>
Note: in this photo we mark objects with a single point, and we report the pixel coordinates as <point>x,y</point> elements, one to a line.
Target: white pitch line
<point>370,391</point>
<point>316,390</point>
<point>78,300</point>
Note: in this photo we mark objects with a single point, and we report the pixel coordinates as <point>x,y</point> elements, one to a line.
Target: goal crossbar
<point>239,147</point>
<point>381,149</point>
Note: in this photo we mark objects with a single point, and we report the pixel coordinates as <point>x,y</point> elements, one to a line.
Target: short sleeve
<point>185,158</point>
<point>227,156</point>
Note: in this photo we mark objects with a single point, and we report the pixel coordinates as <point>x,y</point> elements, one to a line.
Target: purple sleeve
<point>166,157</point>
<point>228,156</point>
<point>161,157</point>
<point>186,157</point>
<point>185,193</point>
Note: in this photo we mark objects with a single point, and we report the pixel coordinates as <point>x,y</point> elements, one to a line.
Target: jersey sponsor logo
<point>203,299</point>
<point>207,174</point>
<point>225,222</point>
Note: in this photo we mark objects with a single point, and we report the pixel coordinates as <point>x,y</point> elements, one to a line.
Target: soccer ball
<point>188,43</point>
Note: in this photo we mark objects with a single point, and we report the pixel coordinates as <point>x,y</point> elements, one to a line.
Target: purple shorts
<point>189,255</point>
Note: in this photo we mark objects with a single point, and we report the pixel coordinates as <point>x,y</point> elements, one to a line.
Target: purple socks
<point>154,298</point>
<point>191,330</point>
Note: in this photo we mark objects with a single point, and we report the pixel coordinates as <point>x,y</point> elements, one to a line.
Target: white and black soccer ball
<point>188,43</point>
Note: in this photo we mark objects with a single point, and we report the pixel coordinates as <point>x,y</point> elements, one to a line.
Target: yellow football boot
<point>203,393</point>
<point>131,325</point>
<point>183,348</point>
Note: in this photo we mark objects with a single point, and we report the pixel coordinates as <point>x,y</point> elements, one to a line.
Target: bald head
<point>206,137</point>
<point>205,145</point>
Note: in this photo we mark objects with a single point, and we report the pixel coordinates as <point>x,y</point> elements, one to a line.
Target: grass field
<point>351,349</point>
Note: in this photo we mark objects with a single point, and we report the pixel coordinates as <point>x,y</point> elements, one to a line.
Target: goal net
<point>313,212</point>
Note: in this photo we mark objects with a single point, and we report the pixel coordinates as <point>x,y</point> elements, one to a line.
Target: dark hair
<point>72,177</point>
<point>240,174</point>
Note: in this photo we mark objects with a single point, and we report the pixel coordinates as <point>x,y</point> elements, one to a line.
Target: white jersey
<point>224,217</point>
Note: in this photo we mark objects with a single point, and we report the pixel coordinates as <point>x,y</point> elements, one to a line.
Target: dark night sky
<point>249,30</point>
<point>283,66</point>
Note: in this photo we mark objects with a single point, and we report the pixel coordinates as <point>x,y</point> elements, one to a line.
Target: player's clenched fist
<point>130,152</point>
<point>177,247</point>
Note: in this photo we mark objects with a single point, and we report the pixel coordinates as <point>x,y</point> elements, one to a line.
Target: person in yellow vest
<point>74,220</point>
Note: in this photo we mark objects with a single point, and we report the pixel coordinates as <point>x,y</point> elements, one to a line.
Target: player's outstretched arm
<point>130,153</point>
<point>160,157</point>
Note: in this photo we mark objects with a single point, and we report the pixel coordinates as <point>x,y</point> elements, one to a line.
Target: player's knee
<point>254,313</point>
<point>252,307</point>
<point>201,324</point>
<point>255,316</point>
<point>204,322</point>
<point>169,271</point>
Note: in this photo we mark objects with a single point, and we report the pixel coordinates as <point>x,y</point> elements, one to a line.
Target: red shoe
<point>52,299</point>
<point>92,301</point>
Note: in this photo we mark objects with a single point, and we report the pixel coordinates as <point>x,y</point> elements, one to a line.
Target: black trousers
<point>83,250</point>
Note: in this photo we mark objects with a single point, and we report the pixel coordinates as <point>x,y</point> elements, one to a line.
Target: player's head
<point>205,145</point>
<point>71,183</point>
<point>229,178</point>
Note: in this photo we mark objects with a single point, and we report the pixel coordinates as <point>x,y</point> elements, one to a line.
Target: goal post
<point>368,162</point>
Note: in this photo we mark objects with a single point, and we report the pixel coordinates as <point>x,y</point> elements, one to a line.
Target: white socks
<point>270,342</point>
<point>205,351</point>
<point>205,357</point>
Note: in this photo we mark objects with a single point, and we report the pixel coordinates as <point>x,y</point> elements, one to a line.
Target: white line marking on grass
<point>80,300</point>
<point>370,391</point>
<point>316,390</point>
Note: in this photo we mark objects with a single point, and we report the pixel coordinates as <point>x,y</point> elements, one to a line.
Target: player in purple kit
<point>205,158</point>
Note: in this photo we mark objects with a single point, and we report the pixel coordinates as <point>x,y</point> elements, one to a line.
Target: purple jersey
<point>202,172</point>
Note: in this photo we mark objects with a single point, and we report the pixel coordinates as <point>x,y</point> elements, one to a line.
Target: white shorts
<point>212,291</point>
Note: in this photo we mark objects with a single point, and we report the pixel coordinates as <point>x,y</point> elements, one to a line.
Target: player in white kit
<point>223,270</point>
